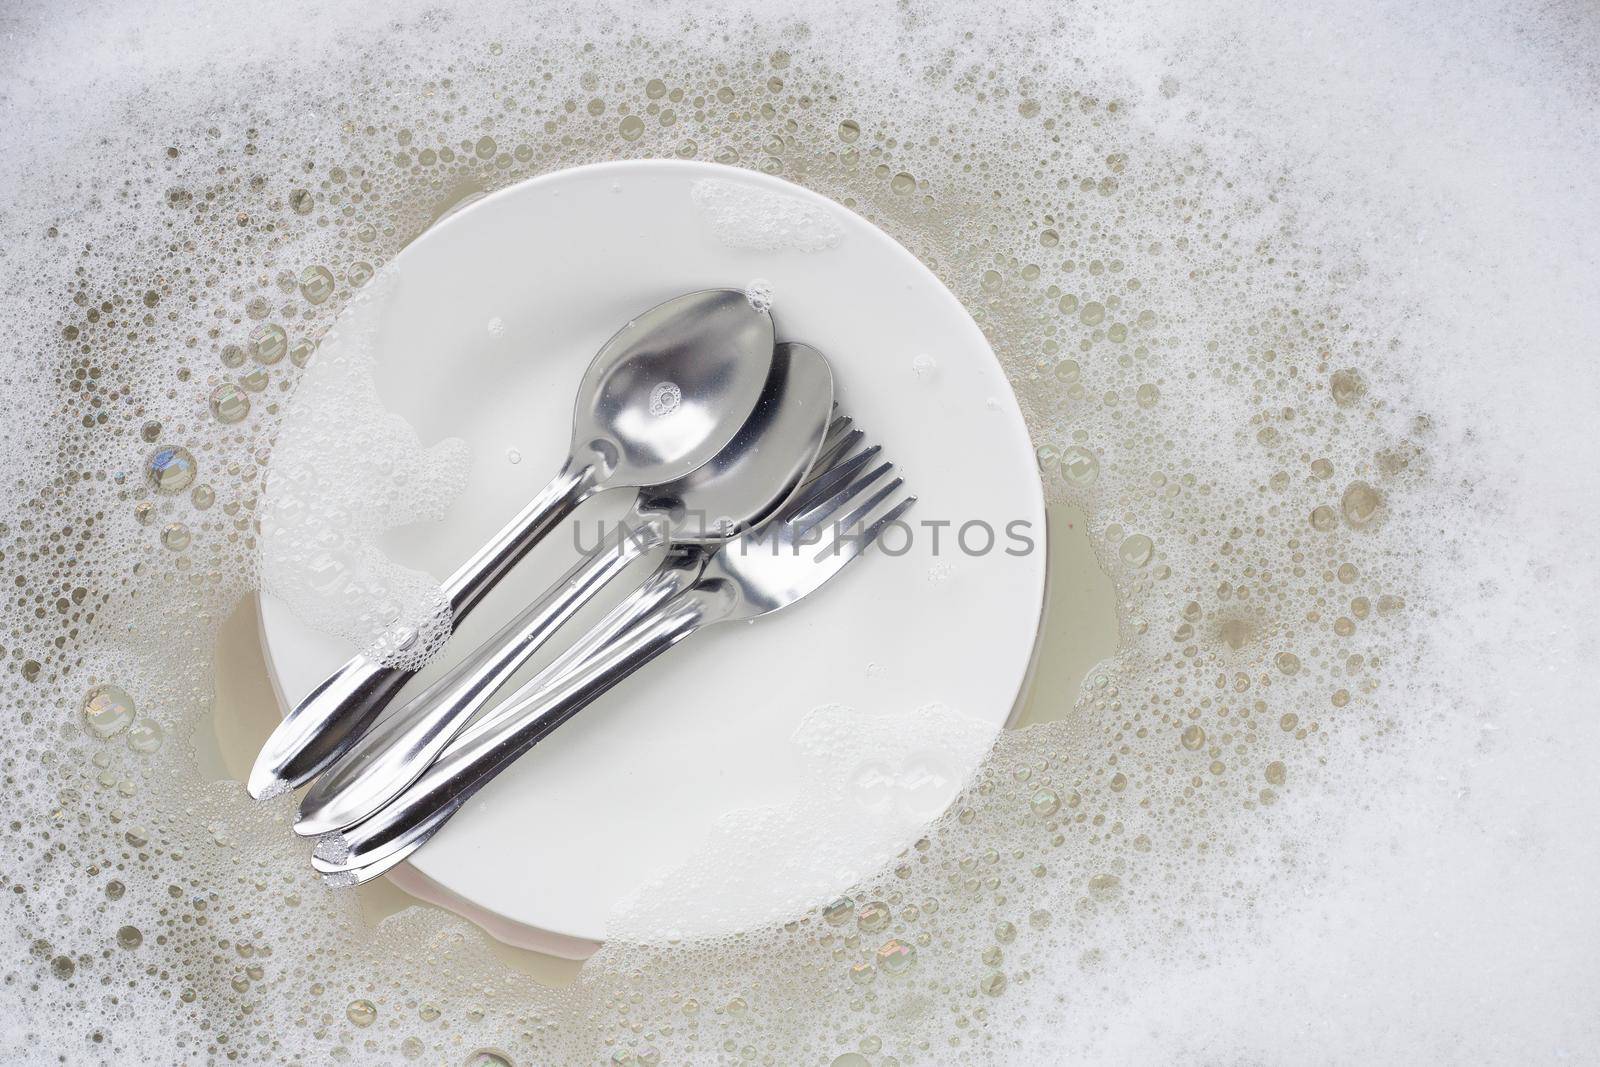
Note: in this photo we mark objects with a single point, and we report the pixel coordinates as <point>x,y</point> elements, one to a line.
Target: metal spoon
<point>660,399</point>
<point>740,488</point>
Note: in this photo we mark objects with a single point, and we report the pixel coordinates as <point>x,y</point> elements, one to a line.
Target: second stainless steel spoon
<point>747,482</point>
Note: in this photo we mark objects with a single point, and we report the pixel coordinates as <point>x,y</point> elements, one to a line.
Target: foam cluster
<point>344,471</point>
<point>744,216</point>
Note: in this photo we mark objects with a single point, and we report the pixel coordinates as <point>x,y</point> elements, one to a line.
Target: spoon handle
<point>400,827</point>
<point>675,574</point>
<point>400,745</point>
<point>322,726</point>
<point>571,486</point>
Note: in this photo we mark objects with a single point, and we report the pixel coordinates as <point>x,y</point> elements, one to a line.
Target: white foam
<point>332,847</point>
<point>751,217</point>
<point>344,471</point>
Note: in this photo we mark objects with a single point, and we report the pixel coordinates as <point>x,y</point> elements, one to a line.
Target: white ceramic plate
<point>637,783</point>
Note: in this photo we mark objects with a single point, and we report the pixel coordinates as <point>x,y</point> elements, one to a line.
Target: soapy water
<point>1299,307</point>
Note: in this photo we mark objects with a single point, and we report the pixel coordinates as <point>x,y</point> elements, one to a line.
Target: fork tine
<point>834,449</point>
<point>838,426</point>
<point>845,546</point>
<point>844,532</point>
<point>855,517</point>
<point>819,513</point>
<point>841,438</point>
<point>829,482</point>
<point>887,520</point>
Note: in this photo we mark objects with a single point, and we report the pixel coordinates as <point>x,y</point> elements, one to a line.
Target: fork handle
<point>400,745</point>
<point>406,822</point>
<point>323,726</point>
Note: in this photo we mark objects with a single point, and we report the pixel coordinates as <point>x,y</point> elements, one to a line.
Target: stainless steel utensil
<point>740,488</point>
<point>763,571</point>
<point>666,394</point>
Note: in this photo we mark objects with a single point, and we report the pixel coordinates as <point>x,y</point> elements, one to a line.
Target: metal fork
<point>829,524</point>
